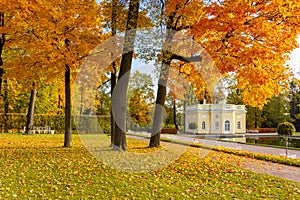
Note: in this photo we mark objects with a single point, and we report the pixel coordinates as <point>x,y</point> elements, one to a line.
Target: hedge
<point>84,123</point>
<point>262,130</point>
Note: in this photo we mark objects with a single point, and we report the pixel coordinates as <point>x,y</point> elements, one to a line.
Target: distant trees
<point>141,96</point>
<point>294,102</point>
<point>283,107</point>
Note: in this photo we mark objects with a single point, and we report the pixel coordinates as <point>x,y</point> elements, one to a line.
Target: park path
<point>234,145</point>
<point>259,166</point>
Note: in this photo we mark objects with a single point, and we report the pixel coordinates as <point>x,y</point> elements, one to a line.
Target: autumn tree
<point>253,40</point>
<point>119,101</point>
<point>57,33</point>
<point>115,14</point>
<point>173,14</point>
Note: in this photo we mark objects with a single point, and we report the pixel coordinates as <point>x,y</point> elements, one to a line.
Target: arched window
<point>227,125</point>
<point>203,125</point>
<point>217,125</point>
<point>239,125</point>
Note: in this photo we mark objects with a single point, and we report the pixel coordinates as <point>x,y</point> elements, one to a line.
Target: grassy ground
<point>38,167</point>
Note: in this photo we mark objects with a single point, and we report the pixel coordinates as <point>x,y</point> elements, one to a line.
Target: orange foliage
<point>252,39</point>
<point>49,35</point>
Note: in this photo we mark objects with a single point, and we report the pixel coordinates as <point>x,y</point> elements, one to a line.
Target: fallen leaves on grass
<point>39,167</point>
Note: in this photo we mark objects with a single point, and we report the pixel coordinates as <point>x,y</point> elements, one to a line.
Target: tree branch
<point>186,59</point>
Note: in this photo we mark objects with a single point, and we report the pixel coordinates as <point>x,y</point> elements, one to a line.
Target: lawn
<point>39,167</point>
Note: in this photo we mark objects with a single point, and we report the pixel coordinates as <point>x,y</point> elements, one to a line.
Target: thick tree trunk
<point>159,107</point>
<point>67,141</point>
<point>30,113</point>
<point>120,101</point>
<point>112,120</point>
<point>113,75</point>
<point>162,83</point>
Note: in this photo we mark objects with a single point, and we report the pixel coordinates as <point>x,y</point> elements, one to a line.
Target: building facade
<point>216,118</point>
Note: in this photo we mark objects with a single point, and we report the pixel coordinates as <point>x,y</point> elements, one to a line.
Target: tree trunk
<point>286,145</point>
<point>120,101</point>
<point>67,138</point>
<point>4,96</point>
<point>30,113</point>
<point>59,104</point>
<point>6,105</point>
<point>113,75</point>
<point>160,101</point>
<point>112,120</point>
<point>175,118</point>
<point>2,42</point>
<point>255,118</point>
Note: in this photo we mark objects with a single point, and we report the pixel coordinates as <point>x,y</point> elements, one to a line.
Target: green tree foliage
<point>173,109</point>
<point>294,97</point>
<point>141,96</point>
<point>253,117</point>
<point>103,101</point>
<point>192,125</point>
<point>286,128</point>
<point>276,111</point>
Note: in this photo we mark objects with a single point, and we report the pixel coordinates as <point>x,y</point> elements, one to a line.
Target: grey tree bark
<point>30,112</point>
<point>120,102</point>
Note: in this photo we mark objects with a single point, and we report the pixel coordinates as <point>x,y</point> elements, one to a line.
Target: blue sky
<point>294,62</point>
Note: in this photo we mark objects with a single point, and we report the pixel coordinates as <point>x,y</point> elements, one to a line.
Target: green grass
<point>38,167</point>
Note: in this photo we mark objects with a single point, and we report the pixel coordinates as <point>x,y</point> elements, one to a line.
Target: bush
<point>262,130</point>
<point>192,125</point>
<point>169,130</point>
<point>286,128</point>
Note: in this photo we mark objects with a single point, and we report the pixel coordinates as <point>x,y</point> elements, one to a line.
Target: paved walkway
<point>239,146</point>
<point>259,166</point>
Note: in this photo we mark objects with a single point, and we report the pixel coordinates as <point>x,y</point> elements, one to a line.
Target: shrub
<point>286,128</point>
<point>169,130</point>
<point>192,125</point>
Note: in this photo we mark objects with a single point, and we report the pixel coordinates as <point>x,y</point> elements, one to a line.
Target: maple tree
<point>251,39</point>
<point>55,36</point>
<point>173,14</point>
